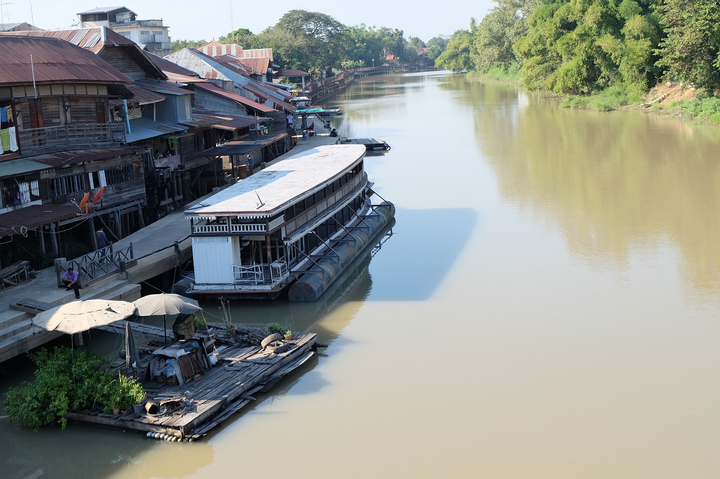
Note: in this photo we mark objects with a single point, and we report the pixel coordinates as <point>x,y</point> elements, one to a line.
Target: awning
<point>222,121</point>
<point>241,147</point>
<point>20,167</point>
<point>143,128</point>
<point>33,217</point>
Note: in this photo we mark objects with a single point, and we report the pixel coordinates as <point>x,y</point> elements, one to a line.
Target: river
<point>546,306</point>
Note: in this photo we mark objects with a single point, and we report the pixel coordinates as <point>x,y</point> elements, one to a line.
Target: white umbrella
<point>82,315</point>
<point>165,304</point>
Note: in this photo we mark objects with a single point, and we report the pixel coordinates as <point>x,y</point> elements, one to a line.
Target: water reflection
<point>613,183</point>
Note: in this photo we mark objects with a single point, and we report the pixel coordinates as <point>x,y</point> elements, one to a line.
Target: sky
<point>211,19</point>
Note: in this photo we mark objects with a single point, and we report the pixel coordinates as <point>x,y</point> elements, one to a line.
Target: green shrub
<point>68,380</point>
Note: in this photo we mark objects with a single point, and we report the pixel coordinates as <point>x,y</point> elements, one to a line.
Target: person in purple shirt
<point>70,280</point>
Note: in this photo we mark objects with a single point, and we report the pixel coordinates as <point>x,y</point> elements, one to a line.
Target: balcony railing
<point>34,141</point>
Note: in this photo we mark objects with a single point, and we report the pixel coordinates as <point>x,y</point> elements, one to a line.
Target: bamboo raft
<point>189,411</point>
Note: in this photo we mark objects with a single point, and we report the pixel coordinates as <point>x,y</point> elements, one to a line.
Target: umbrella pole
<point>165,327</point>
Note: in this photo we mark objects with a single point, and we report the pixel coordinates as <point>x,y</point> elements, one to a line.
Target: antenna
<point>261,201</point>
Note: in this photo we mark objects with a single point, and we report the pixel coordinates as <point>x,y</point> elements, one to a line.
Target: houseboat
<point>292,227</point>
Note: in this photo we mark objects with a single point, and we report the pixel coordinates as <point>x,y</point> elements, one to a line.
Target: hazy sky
<point>210,19</point>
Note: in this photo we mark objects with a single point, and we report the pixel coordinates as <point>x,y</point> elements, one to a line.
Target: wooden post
<point>118,225</point>
<point>93,238</point>
<point>53,236</point>
<point>42,239</point>
<point>141,220</point>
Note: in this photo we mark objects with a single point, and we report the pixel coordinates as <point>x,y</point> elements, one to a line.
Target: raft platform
<point>189,411</point>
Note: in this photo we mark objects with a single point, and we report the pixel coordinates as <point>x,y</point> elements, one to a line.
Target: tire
<point>269,339</point>
<point>277,347</point>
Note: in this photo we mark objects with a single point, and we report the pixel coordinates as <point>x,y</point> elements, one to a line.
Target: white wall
<point>213,259</point>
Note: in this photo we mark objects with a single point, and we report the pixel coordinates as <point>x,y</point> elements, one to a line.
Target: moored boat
<point>257,237</point>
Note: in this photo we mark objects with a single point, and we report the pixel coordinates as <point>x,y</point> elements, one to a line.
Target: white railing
<point>221,228</point>
<point>278,271</point>
<point>248,274</point>
<point>247,228</point>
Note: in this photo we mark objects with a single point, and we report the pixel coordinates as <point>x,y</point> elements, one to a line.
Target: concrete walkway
<point>153,248</point>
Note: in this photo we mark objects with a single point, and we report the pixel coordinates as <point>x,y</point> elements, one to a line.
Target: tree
<point>580,47</point>
<point>456,56</point>
<point>498,31</point>
<point>243,37</point>
<point>436,46</point>
<point>178,45</point>
<point>690,52</point>
<point>320,36</point>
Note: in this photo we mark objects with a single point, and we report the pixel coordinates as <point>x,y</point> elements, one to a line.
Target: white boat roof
<point>274,188</point>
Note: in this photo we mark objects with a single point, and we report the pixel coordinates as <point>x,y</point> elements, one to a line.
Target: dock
<point>189,411</point>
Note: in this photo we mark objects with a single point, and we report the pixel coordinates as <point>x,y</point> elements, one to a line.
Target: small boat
<point>330,112</point>
<point>371,144</point>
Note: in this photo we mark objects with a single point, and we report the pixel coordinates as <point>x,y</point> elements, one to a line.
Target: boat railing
<point>252,274</point>
<point>237,228</point>
<point>247,228</point>
<point>278,271</point>
<point>218,228</point>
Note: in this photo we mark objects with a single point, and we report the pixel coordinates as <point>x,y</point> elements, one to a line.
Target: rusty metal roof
<point>33,217</point>
<point>221,121</point>
<point>251,66</point>
<point>72,157</point>
<point>98,39</point>
<point>290,72</point>
<point>53,61</point>
<point>234,96</point>
<point>164,87</point>
<point>142,96</point>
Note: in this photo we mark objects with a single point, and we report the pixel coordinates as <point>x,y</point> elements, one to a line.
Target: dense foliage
<point>69,380</point>
<point>317,43</point>
<point>584,47</point>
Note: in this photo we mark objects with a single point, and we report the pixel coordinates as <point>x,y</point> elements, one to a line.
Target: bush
<point>68,380</point>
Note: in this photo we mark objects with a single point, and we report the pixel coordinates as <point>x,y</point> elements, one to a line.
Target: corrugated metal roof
<point>144,128</point>
<point>97,39</point>
<point>72,157</point>
<point>290,72</point>
<point>222,121</point>
<point>251,66</point>
<point>234,96</point>
<point>165,87</point>
<point>19,167</point>
<point>142,96</point>
<point>35,216</point>
<point>53,60</point>
<point>269,191</point>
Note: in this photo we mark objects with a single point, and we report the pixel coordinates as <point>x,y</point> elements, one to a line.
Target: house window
<point>119,175</point>
<point>68,184</point>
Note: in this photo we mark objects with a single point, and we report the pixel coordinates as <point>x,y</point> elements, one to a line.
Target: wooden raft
<point>224,390</point>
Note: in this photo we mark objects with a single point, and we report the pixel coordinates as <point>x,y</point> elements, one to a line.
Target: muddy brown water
<point>546,307</point>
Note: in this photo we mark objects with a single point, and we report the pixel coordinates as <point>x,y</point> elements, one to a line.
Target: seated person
<point>333,132</point>
<point>70,280</point>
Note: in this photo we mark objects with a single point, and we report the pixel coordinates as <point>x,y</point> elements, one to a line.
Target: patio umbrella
<point>132,358</point>
<point>165,304</point>
<point>82,315</point>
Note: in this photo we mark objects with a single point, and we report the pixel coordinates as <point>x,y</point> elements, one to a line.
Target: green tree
<point>364,46</point>
<point>243,37</point>
<point>321,38</point>
<point>498,31</point>
<point>583,46</point>
<point>178,45</point>
<point>456,56</point>
<point>691,51</point>
<point>436,46</point>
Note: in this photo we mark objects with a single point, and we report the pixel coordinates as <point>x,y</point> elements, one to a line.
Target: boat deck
<point>189,411</point>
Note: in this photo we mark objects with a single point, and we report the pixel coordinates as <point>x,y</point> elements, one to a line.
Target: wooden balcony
<point>36,141</point>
